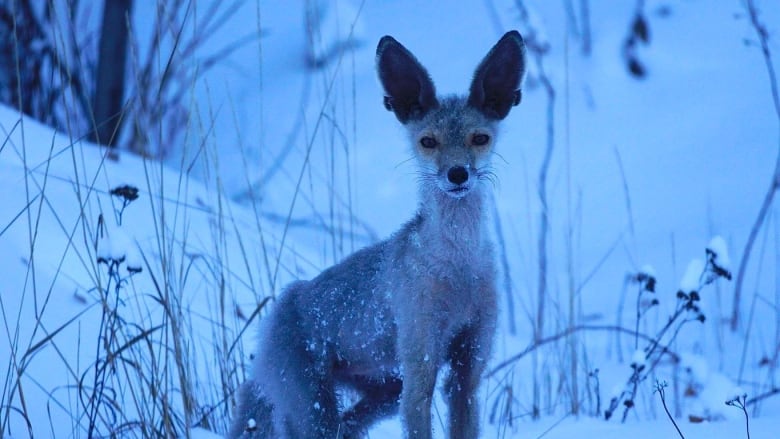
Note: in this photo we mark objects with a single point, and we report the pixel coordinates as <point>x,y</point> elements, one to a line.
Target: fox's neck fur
<point>457,224</point>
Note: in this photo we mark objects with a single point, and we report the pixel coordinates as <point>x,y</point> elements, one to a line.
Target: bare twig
<point>538,48</point>
<point>660,388</point>
<point>587,45</point>
<point>569,331</point>
<point>309,147</point>
<point>740,403</point>
<point>510,302</point>
<point>763,39</point>
<point>771,392</point>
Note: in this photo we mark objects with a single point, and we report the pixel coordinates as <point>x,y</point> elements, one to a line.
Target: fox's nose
<point>457,175</point>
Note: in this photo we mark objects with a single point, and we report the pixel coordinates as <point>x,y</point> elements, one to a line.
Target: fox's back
<point>347,315</point>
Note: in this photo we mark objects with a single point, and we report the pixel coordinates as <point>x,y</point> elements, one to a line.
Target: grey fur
<point>384,321</point>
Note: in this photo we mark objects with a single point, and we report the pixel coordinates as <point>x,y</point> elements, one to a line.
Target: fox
<point>387,320</point>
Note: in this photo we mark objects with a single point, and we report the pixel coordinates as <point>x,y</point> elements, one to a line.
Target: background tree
<point>61,66</point>
<point>110,78</point>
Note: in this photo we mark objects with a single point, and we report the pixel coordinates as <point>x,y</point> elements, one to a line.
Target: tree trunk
<point>110,78</point>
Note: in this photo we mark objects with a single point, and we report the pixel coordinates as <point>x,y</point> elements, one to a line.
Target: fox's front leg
<point>461,386</point>
<point>419,363</point>
<point>467,354</point>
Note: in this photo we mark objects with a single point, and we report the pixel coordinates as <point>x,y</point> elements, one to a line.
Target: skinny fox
<point>386,320</point>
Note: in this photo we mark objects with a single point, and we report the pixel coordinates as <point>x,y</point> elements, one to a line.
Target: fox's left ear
<point>495,88</point>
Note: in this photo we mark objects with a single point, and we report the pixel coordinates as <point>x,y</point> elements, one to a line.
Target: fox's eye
<point>480,139</point>
<point>428,142</point>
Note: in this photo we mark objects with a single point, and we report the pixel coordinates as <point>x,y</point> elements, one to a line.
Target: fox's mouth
<point>458,191</point>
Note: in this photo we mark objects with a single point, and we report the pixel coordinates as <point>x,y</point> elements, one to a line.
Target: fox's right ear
<point>410,93</point>
<point>495,88</point>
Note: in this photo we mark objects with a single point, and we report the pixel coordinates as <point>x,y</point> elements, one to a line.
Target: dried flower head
<point>125,191</point>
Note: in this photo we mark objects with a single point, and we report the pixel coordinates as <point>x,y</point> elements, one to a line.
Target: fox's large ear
<point>408,87</point>
<point>495,88</point>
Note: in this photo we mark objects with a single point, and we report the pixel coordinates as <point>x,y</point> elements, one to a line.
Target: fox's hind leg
<point>379,399</point>
<point>294,373</point>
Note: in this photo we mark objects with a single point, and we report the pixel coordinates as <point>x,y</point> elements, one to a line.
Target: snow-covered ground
<point>644,174</point>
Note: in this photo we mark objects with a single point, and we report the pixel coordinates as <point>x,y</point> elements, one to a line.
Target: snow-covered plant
<point>115,250</point>
<point>687,309</point>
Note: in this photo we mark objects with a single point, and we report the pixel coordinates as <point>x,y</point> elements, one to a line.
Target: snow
<point>643,171</point>
<point>638,359</point>
<point>690,281</point>
<point>647,270</point>
<point>720,252</point>
<point>114,244</point>
<point>710,390</point>
<point>202,433</point>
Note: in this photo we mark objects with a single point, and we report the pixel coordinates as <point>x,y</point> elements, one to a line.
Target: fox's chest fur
<point>448,263</point>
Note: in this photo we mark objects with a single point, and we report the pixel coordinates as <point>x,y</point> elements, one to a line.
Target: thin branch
<point>660,387</point>
<point>507,274</point>
<point>739,402</point>
<point>772,392</point>
<point>539,48</point>
<point>763,39</point>
<point>569,331</point>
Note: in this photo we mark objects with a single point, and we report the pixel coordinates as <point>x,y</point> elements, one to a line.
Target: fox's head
<point>453,137</point>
